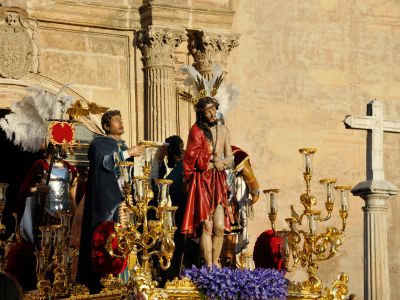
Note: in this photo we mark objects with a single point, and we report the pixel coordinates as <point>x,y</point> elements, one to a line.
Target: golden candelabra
<point>308,247</point>
<point>144,236</point>
<point>58,238</point>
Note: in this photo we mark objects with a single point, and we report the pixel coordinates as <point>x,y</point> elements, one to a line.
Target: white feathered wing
<point>26,125</point>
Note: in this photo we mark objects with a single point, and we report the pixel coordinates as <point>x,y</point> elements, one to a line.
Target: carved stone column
<point>157,46</point>
<point>376,259</point>
<point>210,49</point>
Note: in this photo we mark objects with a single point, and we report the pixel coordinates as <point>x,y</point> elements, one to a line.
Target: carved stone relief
<point>19,52</point>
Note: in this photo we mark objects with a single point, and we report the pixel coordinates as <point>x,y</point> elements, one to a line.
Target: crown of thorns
<point>202,90</point>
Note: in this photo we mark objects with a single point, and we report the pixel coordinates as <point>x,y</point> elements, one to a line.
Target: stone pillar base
<point>376,265</point>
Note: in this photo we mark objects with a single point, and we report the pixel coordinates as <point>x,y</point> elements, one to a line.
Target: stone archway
<point>12,90</point>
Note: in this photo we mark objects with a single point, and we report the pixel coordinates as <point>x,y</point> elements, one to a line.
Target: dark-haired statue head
<point>206,114</point>
<point>111,122</point>
<point>174,150</point>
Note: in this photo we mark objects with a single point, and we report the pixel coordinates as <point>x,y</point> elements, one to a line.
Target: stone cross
<point>375,191</point>
<point>376,125</point>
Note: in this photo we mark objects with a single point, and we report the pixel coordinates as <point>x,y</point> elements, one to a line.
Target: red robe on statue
<point>207,188</point>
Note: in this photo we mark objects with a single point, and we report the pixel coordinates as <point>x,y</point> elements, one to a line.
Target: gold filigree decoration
<point>182,289</point>
<point>79,290</point>
<point>125,163</point>
<point>111,283</point>
<point>201,90</point>
<point>176,283</point>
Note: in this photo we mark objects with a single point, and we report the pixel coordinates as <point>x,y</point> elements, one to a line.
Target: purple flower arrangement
<point>237,284</point>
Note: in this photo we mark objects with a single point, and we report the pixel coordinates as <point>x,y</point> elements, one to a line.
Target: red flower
<point>102,261</point>
<point>267,251</point>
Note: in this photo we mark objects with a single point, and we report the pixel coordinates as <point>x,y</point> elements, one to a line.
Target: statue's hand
<point>255,195</point>
<point>219,165</point>
<point>43,188</point>
<point>136,150</point>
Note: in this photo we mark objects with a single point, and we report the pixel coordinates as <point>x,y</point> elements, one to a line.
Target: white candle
<point>273,203</point>
<point>168,222</point>
<point>344,200</point>
<point>125,174</point>
<point>284,247</point>
<point>329,194</point>
<point>147,156</point>
<point>164,190</point>
<point>308,163</point>
<point>312,224</point>
<point>139,187</point>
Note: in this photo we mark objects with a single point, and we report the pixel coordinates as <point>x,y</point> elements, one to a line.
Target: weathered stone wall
<point>98,63</point>
<point>302,66</point>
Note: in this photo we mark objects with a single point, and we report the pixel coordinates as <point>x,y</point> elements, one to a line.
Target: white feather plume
<point>191,78</point>
<point>26,125</point>
<point>227,97</point>
<point>227,94</point>
<point>217,71</point>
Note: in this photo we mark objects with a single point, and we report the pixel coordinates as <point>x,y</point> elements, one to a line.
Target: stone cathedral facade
<point>301,66</point>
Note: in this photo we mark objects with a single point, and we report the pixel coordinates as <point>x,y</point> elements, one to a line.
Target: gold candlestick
<point>153,239</point>
<point>330,200</point>
<point>311,246</point>
<point>42,258</point>
<point>273,205</point>
<point>344,191</point>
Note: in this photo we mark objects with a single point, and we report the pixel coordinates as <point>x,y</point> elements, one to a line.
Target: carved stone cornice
<point>105,14</point>
<point>19,51</point>
<point>158,45</point>
<point>209,49</point>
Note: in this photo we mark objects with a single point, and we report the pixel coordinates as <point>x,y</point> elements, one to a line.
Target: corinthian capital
<point>158,45</point>
<point>209,49</point>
